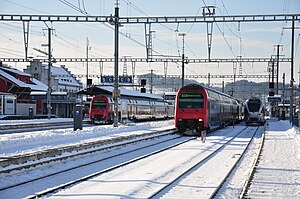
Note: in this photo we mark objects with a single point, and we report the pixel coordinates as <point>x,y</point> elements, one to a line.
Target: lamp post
<point>183,57</point>
<point>116,73</point>
<point>87,61</point>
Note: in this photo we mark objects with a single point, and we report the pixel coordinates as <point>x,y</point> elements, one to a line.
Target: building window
<point>36,76</point>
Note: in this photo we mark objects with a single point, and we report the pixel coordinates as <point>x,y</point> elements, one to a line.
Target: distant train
<point>170,97</point>
<point>131,108</point>
<point>200,108</point>
<point>254,111</point>
<point>8,103</point>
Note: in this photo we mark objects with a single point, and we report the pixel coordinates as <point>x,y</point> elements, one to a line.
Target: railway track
<point>36,126</point>
<point>229,150</point>
<point>12,188</point>
<point>32,159</point>
<point>253,169</point>
<point>158,186</point>
<point>209,170</point>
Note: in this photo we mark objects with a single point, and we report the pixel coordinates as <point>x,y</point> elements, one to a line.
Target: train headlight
<point>180,119</point>
<point>200,120</point>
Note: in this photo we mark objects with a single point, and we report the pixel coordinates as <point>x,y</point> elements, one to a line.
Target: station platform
<point>278,172</point>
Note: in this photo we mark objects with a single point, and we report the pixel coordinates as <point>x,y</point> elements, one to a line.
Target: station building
<point>15,92</point>
<point>64,86</point>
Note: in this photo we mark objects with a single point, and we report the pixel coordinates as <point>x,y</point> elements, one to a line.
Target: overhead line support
<point>135,20</point>
<point>174,60</point>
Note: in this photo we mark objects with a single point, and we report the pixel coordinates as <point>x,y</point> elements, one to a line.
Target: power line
<point>23,6</point>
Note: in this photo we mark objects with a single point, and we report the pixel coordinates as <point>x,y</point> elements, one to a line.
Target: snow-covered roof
<point>63,76</point>
<point>13,79</point>
<point>132,93</point>
<point>44,93</point>
<point>36,85</point>
<point>16,71</point>
<point>59,93</point>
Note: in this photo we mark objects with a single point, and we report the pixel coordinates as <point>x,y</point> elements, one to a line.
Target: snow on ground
<point>8,122</point>
<point>21,143</point>
<point>278,172</point>
<point>280,157</point>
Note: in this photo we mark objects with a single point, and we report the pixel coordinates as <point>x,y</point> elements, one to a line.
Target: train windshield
<point>191,100</point>
<point>254,105</point>
<point>100,104</point>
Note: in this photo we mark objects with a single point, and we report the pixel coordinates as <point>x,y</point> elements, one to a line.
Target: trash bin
<point>283,115</point>
<point>77,115</point>
<point>30,113</point>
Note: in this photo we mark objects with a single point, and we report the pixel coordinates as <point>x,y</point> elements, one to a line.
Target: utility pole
<point>26,36</point>
<point>277,66</point>
<point>116,82</point>
<point>49,74</point>
<point>292,72</point>
<point>182,58</point>
<point>151,82</point>
<point>283,87</point>
<point>209,11</point>
<point>49,90</point>
<point>87,62</point>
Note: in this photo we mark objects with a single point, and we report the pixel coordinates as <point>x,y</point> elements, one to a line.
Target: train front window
<point>191,100</point>
<point>99,104</point>
<point>254,105</point>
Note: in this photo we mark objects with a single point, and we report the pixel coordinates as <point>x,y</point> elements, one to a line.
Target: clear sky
<point>249,40</point>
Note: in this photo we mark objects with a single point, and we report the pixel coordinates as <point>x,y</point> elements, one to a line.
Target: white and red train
<point>130,108</point>
<point>199,108</point>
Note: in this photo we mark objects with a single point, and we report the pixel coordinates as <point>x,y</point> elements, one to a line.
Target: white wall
<point>23,109</point>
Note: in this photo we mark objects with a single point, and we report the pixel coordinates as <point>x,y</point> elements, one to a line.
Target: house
<point>21,84</point>
<point>64,86</point>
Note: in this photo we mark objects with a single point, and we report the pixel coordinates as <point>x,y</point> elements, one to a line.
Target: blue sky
<point>229,40</point>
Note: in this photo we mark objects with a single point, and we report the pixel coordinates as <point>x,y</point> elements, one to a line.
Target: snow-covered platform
<point>278,172</point>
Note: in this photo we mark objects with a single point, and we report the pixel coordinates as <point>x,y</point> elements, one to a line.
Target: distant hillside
<point>242,89</point>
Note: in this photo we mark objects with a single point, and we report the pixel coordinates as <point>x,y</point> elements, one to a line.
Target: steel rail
<point>234,166</point>
<point>97,161</point>
<point>55,189</point>
<point>183,174</point>
<point>56,151</point>
<point>254,166</point>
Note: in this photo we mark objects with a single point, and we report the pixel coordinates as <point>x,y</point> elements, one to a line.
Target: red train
<point>100,111</point>
<point>200,108</point>
<point>130,108</point>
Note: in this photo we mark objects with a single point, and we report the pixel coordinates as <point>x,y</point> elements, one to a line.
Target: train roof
<point>107,90</point>
<point>210,89</point>
<point>253,97</point>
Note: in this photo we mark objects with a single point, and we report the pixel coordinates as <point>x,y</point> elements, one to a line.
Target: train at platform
<point>130,108</point>
<point>199,108</point>
<point>254,111</point>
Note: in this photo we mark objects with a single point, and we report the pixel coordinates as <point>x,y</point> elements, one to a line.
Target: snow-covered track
<point>208,174</point>
<point>193,169</point>
<point>253,169</point>
<point>43,179</point>
<point>35,126</point>
<point>57,154</point>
